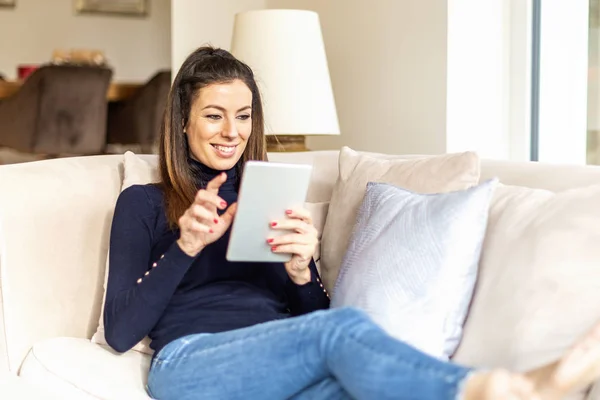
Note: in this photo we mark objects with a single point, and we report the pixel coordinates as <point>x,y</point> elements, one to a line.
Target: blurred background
<point>510,79</point>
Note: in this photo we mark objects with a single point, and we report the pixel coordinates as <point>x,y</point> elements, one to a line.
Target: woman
<point>225,330</point>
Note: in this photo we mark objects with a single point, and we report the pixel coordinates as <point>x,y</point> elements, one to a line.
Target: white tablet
<point>266,191</point>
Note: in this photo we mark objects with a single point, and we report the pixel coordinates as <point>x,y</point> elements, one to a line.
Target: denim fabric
<point>331,354</point>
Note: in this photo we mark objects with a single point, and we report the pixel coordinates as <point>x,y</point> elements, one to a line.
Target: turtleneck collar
<point>205,174</point>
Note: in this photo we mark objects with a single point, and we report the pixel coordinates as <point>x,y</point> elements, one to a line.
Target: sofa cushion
<point>318,211</point>
<point>539,282</point>
<point>13,387</point>
<point>85,370</point>
<point>435,174</point>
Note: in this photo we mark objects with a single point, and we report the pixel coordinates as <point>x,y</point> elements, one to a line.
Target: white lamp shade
<point>285,50</point>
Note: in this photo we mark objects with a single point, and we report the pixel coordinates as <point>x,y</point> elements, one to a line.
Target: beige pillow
<point>539,279</point>
<point>433,174</point>
<point>136,171</point>
<point>318,212</point>
<point>139,171</point>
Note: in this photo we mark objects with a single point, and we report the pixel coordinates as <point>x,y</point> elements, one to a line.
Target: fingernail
<point>211,231</point>
<point>273,248</point>
<point>269,240</point>
<point>223,204</point>
<point>288,212</point>
<point>216,221</point>
<point>273,223</point>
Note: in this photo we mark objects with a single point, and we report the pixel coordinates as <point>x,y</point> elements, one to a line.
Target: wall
<point>387,61</point>
<point>428,76</point>
<point>136,47</point>
<point>199,22</point>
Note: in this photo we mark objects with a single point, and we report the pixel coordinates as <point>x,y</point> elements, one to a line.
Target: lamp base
<point>286,143</point>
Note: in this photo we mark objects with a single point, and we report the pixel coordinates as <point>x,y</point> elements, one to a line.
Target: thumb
<point>229,213</point>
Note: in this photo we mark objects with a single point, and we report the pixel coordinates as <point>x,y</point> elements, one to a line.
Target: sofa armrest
<point>4,370</point>
<point>55,217</point>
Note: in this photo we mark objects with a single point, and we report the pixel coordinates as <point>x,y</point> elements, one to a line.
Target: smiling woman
<point>209,318</point>
<point>215,116</point>
<point>220,124</point>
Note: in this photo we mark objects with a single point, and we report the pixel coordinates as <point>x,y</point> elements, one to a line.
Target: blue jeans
<point>331,354</point>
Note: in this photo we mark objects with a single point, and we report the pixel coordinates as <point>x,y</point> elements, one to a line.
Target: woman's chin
<point>223,164</point>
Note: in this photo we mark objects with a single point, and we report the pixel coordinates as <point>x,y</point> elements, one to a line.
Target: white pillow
<point>411,264</point>
<point>137,171</point>
<point>428,174</point>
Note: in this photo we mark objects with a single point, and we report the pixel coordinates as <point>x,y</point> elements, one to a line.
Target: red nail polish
<point>216,221</point>
<point>273,223</point>
<point>211,231</point>
<point>269,240</point>
<point>288,212</point>
<point>273,248</point>
<point>223,204</point>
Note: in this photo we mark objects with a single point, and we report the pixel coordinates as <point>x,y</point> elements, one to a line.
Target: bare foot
<point>499,385</point>
<point>578,368</point>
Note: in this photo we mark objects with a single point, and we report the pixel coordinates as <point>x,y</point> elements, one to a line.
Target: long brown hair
<point>205,66</point>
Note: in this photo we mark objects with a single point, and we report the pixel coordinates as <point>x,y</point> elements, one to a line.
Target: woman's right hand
<point>201,225</point>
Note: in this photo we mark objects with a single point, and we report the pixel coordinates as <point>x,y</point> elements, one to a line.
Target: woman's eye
<point>244,117</point>
<point>213,116</point>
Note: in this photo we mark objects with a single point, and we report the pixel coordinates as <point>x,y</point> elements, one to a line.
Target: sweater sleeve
<point>309,297</point>
<point>138,289</point>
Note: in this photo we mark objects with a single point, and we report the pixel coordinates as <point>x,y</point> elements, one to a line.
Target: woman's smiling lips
<point>224,151</point>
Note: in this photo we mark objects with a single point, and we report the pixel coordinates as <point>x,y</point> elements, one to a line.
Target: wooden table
<point>116,91</point>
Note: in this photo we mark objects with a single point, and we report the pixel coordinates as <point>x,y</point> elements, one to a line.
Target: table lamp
<point>285,50</point>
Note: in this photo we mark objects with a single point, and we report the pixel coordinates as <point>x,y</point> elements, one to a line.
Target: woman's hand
<point>301,242</point>
<point>201,225</point>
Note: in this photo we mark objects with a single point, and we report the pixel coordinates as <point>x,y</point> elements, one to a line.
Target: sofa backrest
<point>55,217</point>
<point>554,177</point>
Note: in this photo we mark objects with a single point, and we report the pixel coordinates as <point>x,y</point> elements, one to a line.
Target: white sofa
<point>55,217</point>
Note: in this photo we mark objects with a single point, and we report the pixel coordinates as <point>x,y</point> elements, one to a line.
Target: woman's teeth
<point>225,149</point>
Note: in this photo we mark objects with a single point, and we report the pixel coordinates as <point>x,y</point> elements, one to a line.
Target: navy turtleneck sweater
<point>154,289</point>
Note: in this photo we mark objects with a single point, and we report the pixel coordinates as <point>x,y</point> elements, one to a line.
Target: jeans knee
<point>349,315</point>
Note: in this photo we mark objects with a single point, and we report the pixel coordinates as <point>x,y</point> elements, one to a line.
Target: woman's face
<point>220,124</point>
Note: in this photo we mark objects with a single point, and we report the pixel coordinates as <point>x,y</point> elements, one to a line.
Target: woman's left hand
<point>301,242</point>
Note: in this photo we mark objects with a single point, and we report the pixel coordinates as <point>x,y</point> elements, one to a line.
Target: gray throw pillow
<point>412,262</point>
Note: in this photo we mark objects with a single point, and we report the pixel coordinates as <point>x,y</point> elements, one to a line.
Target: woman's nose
<point>230,129</point>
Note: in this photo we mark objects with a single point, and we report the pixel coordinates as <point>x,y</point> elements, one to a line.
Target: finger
<point>206,197</point>
<point>300,213</point>
<point>297,225</point>
<point>216,182</point>
<point>291,239</point>
<point>198,227</point>
<point>303,251</point>
<point>201,214</point>
<point>229,213</point>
